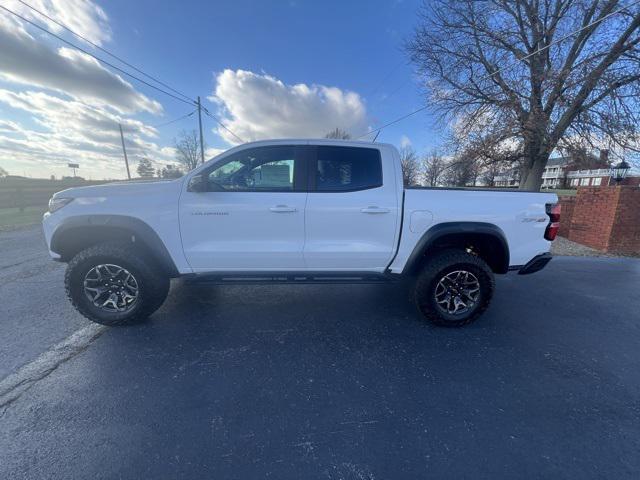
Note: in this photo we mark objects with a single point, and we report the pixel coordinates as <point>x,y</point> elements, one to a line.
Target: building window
<point>585,181</point>
<point>574,182</point>
<point>596,181</point>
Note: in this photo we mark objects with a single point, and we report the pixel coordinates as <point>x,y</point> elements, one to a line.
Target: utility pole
<point>200,123</point>
<point>124,150</point>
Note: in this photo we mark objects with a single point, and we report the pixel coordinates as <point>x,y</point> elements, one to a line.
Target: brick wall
<point>567,205</point>
<point>631,181</point>
<point>605,218</point>
<point>625,235</point>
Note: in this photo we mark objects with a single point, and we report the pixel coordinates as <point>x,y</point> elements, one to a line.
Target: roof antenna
<point>374,138</point>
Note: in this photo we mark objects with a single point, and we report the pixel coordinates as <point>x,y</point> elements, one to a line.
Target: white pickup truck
<point>295,211</point>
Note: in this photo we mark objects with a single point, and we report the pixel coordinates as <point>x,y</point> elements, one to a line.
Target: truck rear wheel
<point>111,284</point>
<point>454,288</point>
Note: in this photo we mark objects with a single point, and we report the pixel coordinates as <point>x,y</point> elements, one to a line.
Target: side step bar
<point>301,278</point>
<point>536,264</point>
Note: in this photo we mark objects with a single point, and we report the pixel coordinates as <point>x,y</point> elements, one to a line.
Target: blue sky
<point>354,46</point>
<point>250,53</point>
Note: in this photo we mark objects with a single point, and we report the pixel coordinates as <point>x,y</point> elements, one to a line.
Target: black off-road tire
<point>153,283</point>
<point>435,269</point>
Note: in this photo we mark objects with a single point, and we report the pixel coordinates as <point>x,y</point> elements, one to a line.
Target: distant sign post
<point>74,166</point>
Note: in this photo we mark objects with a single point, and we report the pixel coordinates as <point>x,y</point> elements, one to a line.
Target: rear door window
<point>343,169</point>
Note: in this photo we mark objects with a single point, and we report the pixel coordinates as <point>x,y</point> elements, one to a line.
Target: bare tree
<point>338,134</point>
<point>3,172</point>
<point>534,72</point>
<point>433,167</point>
<point>187,147</point>
<point>582,157</point>
<point>461,171</point>
<point>483,155</point>
<point>489,173</point>
<point>410,167</point>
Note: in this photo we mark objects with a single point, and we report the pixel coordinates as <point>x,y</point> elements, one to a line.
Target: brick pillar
<point>593,216</point>
<point>567,205</point>
<point>607,218</point>
<point>625,235</point>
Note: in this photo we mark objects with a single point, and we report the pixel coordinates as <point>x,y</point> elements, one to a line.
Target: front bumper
<point>536,264</point>
<point>49,225</point>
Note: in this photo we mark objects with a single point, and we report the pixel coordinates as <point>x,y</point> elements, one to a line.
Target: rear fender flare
<point>441,230</point>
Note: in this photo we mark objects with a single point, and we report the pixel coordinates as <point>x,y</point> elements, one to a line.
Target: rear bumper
<point>536,264</point>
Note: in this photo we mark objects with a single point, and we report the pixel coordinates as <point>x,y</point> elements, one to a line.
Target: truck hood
<point>117,189</point>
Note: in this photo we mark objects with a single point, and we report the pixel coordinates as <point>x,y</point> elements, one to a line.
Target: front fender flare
<point>71,230</point>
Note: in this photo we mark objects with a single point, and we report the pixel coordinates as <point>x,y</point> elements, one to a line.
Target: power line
<point>219,122</point>
<point>399,119</point>
<point>191,102</point>
<point>174,120</point>
<point>562,39</point>
<point>60,24</point>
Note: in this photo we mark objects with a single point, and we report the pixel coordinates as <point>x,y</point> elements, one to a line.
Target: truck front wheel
<point>111,283</point>
<point>454,288</point>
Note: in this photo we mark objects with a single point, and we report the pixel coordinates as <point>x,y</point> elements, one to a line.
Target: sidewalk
<point>563,246</point>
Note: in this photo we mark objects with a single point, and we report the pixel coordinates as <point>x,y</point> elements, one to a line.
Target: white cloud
<point>73,103</point>
<point>210,152</point>
<point>258,106</point>
<point>8,126</point>
<point>70,130</point>
<point>405,141</point>
<point>81,16</point>
<point>27,60</point>
<point>60,115</point>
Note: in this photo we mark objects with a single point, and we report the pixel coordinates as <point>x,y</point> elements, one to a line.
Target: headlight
<point>57,203</point>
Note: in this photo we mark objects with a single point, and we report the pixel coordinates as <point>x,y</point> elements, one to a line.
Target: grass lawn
<point>13,216</point>
<point>567,192</point>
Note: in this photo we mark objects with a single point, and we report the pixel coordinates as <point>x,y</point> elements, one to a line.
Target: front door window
<point>256,170</point>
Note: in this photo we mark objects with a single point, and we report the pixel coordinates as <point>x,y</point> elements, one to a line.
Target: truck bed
<point>520,215</point>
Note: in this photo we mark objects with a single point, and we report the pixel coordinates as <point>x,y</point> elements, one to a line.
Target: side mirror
<point>197,183</point>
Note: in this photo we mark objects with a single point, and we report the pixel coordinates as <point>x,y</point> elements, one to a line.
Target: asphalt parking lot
<point>335,382</point>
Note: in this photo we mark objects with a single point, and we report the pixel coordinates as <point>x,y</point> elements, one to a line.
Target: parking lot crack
<point>13,386</point>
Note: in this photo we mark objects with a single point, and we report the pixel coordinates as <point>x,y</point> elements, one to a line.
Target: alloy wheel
<point>111,288</point>
<point>457,292</point>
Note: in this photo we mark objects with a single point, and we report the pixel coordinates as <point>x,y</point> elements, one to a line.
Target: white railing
<point>599,172</point>
<point>552,175</point>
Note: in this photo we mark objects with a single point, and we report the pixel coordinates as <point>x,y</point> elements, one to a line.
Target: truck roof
<point>313,141</point>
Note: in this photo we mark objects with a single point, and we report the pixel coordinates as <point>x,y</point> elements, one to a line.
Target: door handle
<point>374,209</point>
<point>283,209</point>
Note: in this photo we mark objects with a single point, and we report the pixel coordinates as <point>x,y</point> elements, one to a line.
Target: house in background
<point>599,176</point>
<point>583,171</point>
<point>508,178</point>
<point>571,171</point>
<point>576,170</point>
<point>555,172</point>
<point>553,176</point>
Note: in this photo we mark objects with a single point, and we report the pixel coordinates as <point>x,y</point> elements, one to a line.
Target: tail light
<point>553,210</point>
